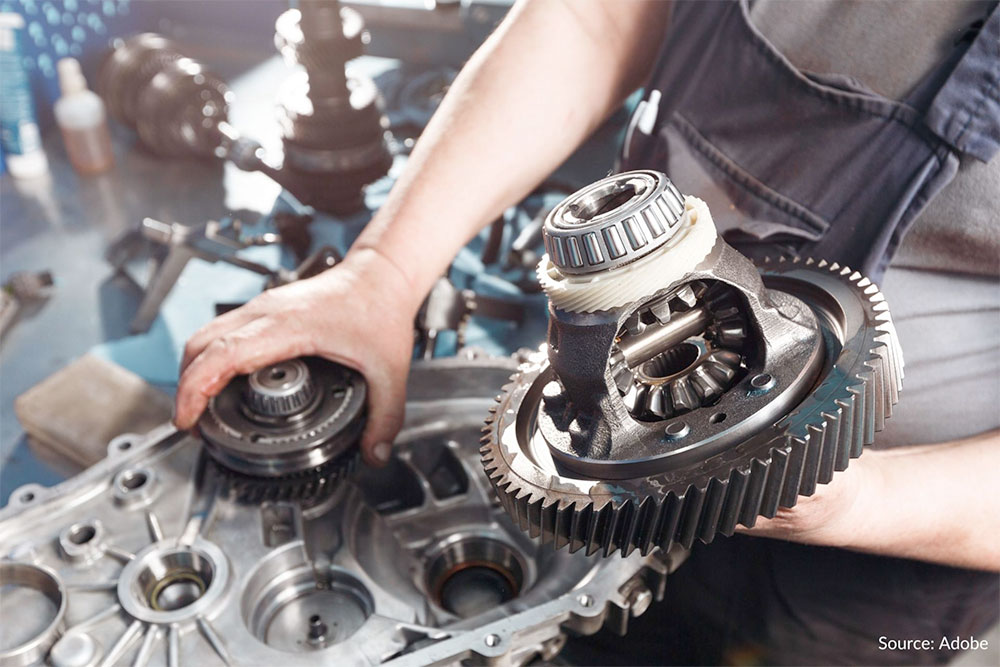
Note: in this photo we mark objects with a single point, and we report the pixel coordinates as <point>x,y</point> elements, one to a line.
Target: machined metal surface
<point>36,595</point>
<point>411,564</point>
<point>613,222</point>
<point>721,394</point>
<point>288,430</point>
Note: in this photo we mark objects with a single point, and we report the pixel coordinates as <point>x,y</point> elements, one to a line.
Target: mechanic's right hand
<point>359,313</point>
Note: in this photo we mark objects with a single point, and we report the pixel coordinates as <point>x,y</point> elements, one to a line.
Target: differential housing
<point>682,390</point>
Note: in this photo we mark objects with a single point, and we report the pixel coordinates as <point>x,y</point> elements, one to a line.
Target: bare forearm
<point>528,97</point>
<point>939,503</point>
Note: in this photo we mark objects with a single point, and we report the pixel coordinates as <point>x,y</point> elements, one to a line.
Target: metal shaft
<point>657,338</point>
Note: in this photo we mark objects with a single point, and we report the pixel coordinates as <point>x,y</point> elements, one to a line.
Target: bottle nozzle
<point>71,79</point>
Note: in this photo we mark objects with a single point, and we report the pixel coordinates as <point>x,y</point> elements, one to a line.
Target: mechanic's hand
<point>358,313</point>
<point>835,514</point>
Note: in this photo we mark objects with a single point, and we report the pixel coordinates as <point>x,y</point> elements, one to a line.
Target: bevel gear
<point>288,431</point>
<point>810,369</point>
<point>692,373</point>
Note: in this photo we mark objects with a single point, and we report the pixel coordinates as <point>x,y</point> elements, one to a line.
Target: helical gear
<point>821,435</point>
<point>313,484</point>
<point>858,388</point>
<point>289,431</point>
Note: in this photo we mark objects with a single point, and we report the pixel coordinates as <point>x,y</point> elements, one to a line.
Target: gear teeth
<point>708,377</point>
<point>755,490</point>
<point>309,485</point>
<point>682,396</point>
<point>715,497</point>
<point>735,497</point>
<point>694,500</point>
<point>705,385</point>
<point>797,460</point>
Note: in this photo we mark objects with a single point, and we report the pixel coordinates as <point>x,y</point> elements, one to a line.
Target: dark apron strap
<point>803,164</point>
<point>966,110</point>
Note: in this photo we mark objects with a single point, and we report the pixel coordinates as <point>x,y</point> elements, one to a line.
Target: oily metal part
<point>288,430</point>
<point>858,385</point>
<point>677,354</point>
<point>586,424</point>
<point>310,484</point>
<point>612,222</point>
<point>156,566</point>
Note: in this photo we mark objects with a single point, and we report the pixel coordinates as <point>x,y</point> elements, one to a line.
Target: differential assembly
<point>682,390</point>
<point>288,430</point>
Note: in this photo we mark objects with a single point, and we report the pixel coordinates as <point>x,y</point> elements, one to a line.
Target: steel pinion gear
<point>810,369</point>
<point>288,431</point>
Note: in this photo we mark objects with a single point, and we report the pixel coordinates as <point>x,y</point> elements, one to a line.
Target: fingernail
<point>381,452</point>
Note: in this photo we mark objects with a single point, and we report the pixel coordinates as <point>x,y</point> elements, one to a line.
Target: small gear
<point>856,389</point>
<point>286,431</point>
<point>285,389</point>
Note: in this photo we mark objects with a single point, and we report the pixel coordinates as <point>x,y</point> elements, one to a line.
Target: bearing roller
<point>286,431</point>
<point>686,391</point>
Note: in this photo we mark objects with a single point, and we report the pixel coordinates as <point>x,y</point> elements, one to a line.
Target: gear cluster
<point>287,431</point>
<point>692,373</point>
<point>722,393</point>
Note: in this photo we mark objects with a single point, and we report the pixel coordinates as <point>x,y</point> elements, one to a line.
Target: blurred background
<point>249,143</point>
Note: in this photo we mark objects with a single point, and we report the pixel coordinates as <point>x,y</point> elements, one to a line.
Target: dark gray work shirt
<point>943,286</point>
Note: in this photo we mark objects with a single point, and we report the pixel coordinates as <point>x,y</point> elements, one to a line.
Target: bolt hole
<point>134,480</point>
<point>125,445</point>
<point>717,418</point>
<point>82,533</point>
<point>586,600</point>
<point>27,497</point>
<point>492,640</point>
<point>314,619</point>
<point>278,374</point>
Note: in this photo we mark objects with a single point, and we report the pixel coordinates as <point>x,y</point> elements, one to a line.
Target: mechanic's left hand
<point>835,514</point>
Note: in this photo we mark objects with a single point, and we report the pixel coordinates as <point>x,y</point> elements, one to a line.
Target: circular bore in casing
<point>170,583</point>
<point>36,595</point>
<point>472,575</point>
<point>287,609</point>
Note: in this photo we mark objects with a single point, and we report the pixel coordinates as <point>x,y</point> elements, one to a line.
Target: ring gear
<point>288,431</point>
<point>819,372</point>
